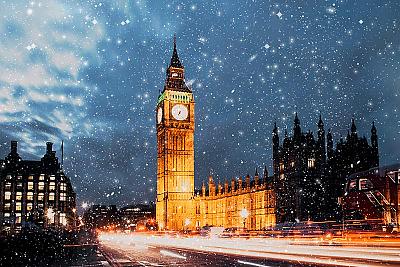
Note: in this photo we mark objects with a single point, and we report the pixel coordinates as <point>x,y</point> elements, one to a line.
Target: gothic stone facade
<point>34,192</point>
<point>177,206</point>
<point>309,173</point>
<point>224,205</point>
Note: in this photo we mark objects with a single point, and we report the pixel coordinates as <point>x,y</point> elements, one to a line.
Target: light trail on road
<point>337,253</point>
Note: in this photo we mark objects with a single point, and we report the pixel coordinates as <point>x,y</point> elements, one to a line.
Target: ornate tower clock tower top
<point>176,74</point>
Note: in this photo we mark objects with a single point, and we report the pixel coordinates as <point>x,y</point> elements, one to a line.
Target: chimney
<point>49,149</point>
<point>14,145</point>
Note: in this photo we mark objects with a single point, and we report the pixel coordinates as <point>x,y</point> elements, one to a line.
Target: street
<point>148,250</point>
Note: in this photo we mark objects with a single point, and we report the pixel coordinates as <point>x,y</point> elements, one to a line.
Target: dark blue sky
<point>89,73</point>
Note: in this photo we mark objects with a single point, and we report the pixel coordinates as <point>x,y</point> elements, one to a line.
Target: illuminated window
<point>52,177</point>
<point>30,177</point>
<point>30,185</point>
<point>63,219</point>
<point>41,177</point>
<point>7,206</point>
<point>19,196</point>
<point>18,217</point>
<point>6,214</point>
<point>29,206</point>
<point>29,196</point>
<point>19,177</point>
<point>41,186</point>
<point>281,166</point>
<point>62,196</point>
<point>51,196</point>
<point>52,186</point>
<point>18,206</point>
<point>311,163</point>
<point>292,164</point>
<point>63,187</point>
<point>7,195</point>
<point>8,185</point>
<point>40,196</point>
<point>282,176</point>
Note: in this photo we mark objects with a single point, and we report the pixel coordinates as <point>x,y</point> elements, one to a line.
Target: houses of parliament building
<point>308,174</point>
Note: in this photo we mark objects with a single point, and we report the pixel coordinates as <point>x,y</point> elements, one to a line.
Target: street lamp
<point>244,214</point>
<point>187,222</point>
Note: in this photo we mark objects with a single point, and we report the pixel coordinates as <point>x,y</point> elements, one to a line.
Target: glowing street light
<point>244,214</point>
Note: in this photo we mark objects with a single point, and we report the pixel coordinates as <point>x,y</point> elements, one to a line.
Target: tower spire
<point>175,62</point>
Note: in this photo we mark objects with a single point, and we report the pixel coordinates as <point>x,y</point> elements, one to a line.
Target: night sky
<point>89,73</point>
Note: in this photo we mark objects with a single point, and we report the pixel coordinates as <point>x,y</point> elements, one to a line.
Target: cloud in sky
<point>44,47</point>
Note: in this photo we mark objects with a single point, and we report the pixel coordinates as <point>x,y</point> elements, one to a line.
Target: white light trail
<point>172,254</point>
<point>252,263</point>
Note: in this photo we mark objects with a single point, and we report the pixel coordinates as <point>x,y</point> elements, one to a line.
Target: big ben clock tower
<point>175,144</point>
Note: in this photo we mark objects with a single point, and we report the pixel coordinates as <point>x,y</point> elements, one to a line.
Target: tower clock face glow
<point>180,112</point>
<point>159,115</point>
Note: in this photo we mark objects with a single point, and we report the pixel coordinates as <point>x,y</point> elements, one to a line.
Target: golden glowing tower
<point>175,144</point>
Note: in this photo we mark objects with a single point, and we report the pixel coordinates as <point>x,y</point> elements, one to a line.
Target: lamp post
<point>244,213</point>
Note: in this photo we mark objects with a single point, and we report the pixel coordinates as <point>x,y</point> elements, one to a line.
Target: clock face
<point>159,115</point>
<point>180,112</point>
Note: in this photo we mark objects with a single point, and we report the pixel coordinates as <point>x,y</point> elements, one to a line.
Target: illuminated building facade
<point>34,192</point>
<point>249,203</point>
<point>310,174</point>
<point>177,205</point>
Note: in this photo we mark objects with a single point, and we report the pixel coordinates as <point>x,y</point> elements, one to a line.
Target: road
<point>147,250</point>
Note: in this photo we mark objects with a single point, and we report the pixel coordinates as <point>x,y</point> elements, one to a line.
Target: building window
<point>29,206</point>
<point>30,185</point>
<point>52,186</point>
<point>7,206</point>
<point>281,166</point>
<point>282,176</point>
<point>29,196</point>
<point>63,187</point>
<point>40,196</point>
<point>63,219</point>
<point>41,186</point>
<point>18,218</point>
<point>19,196</point>
<point>52,177</point>
<point>7,214</point>
<point>41,177</point>
<point>18,206</point>
<point>62,197</point>
<point>311,163</point>
<point>7,195</point>
<point>51,196</point>
<point>30,178</point>
<point>292,164</point>
<point>8,185</point>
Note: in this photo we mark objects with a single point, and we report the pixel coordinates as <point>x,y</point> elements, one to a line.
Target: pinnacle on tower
<point>320,122</point>
<point>353,126</point>
<point>373,129</point>
<point>175,62</point>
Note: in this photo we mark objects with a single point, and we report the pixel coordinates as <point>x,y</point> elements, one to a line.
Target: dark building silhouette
<point>34,192</point>
<point>309,173</point>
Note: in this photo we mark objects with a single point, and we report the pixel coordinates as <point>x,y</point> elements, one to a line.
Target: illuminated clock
<point>159,115</point>
<point>180,112</point>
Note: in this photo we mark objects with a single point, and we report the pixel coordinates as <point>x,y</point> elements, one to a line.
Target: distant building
<point>136,213</point>
<point>34,192</point>
<point>102,216</point>
<point>111,218</point>
<point>310,174</point>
